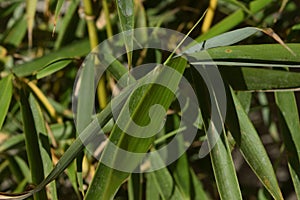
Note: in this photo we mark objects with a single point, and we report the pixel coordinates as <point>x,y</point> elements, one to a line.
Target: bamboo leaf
<point>84,90</point>
<point>32,144</point>
<point>135,187</point>
<point>6,89</point>
<point>23,166</point>
<point>63,131</point>
<point>88,135</point>
<point>126,16</point>
<point>234,19</point>
<point>7,10</point>
<point>53,67</point>
<point>224,171</point>
<point>77,49</point>
<point>43,100</point>
<point>16,170</point>
<point>57,10</point>
<point>251,146</point>
<point>30,13</point>
<point>11,142</point>
<point>109,179</point>
<point>199,192</point>
<point>287,106</point>
<point>16,33</point>
<point>63,34</point>
<point>246,78</point>
<point>72,174</point>
<point>164,182</point>
<point>218,147</point>
<point>84,104</point>
<point>180,169</point>
<point>224,39</point>
<point>152,192</point>
<point>44,144</point>
<point>245,99</point>
<point>289,121</point>
<point>271,53</point>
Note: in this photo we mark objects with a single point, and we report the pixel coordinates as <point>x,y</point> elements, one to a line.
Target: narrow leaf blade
<point>6,89</point>
<point>251,146</point>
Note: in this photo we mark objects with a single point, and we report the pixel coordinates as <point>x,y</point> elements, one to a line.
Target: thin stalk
<point>94,41</point>
<point>89,17</point>
<point>109,31</point>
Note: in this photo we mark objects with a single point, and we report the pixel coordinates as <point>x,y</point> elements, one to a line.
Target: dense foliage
<point>44,43</point>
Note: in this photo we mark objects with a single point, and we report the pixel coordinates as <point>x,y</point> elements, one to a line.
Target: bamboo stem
<point>94,41</point>
<point>109,31</point>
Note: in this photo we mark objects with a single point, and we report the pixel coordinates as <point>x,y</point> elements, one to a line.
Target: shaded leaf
<point>44,144</point>
<point>290,127</point>
<point>246,78</point>
<point>6,89</point>
<point>77,49</point>
<point>109,179</point>
<point>16,33</point>
<point>126,16</point>
<point>32,144</point>
<point>30,13</point>
<point>164,182</point>
<point>251,146</point>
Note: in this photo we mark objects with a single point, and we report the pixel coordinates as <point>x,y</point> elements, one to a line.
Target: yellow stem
<point>94,41</point>
<point>209,16</point>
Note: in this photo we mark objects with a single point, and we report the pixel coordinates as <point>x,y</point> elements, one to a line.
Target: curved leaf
<point>251,146</point>
<point>107,180</point>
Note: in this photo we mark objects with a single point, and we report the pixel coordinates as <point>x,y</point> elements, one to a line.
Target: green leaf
<point>73,50</point>
<point>62,131</point>
<point>135,186</point>
<point>44,144</point>
<point>107,179</point>
<point>220,154</point>
<point>23,167</point>
<point>251,146</point>
<point>71,173</point>
<point>224,170</point>
<point>246,78</point>
<point>71,16</point>
<point>234,19</point>
<point>16,33</point>
<point>30,13</point>
<point>32,144</point>
<point>164,182</point>
<point>198,189</point>
<point>180,169</point>
<point>12,142</point>
<point>152,192</point>
<point>15,169</point>
<point>126,16</point>
<point>261,53</point>
<point>290,127</point>
<point>224,39</point>
<point>83,91</point>
<point>7,10</point>
<point>89,133</point>
<point>245,99</point>
<point>57,10</point>
<point>53,67</point>
<point>6,89</point>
